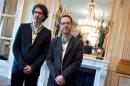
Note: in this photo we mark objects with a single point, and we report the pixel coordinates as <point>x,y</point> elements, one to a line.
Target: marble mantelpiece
<point>101,67</point>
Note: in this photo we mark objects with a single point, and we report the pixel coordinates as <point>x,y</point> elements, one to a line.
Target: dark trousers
<point>28,80</point>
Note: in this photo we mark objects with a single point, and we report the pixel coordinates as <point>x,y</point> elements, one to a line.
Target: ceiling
<point>78,8</point>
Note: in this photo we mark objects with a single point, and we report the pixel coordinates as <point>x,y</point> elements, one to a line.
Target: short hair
<point>79,35</point>
<point>87,41</point>
<point>43,8</point>
<point>66,16</point>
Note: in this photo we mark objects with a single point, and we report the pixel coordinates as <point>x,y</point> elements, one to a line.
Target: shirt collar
<point>65,39</point>
<point>36,30</point>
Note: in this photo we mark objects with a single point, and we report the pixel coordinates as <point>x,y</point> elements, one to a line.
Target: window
<point>7,17</point>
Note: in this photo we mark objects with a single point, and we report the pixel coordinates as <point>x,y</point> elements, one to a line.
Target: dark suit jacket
<point>69,65</point>
<point>87,49</point>
<point>27,53</point>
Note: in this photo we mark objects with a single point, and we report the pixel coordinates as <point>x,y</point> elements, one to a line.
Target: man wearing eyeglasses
<point>64,56</point>
<point>30,48</point>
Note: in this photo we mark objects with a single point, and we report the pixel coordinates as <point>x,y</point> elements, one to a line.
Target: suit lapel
<point>28,36</point>
<point>69,46</point>
<point>58,52</point>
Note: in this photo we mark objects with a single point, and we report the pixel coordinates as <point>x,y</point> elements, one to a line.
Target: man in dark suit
<point>30,48</point>
<point>87,48</point>
<point>64,56</point>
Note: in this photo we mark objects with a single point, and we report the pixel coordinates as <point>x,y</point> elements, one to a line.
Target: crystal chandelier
<point>91,7</point>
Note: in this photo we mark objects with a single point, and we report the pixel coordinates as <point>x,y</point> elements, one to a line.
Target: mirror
<point>91,20</point>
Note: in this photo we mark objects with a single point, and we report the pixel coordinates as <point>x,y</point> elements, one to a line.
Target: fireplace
<point>93,69</point>
<point>85,77</point>
<point>99,66</point>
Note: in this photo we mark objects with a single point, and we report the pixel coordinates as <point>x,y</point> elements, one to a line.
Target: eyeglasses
<point>67,23</point>
<point>36,12</point>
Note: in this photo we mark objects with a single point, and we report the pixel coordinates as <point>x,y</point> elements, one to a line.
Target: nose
<point>36,14</point>
<point>66,24</point>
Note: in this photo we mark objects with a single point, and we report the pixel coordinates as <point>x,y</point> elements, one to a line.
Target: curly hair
<point>43,8</point>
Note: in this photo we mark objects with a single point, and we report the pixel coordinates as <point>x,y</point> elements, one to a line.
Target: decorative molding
<point>129,12</point>
<point>126,48</point>
<point>119,79</point>
<point>113,9</point>
<point>121,3</point>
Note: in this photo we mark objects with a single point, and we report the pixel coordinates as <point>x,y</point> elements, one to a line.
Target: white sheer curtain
<point>16,25</point>
<point>1,8</point>
<point>1,11</point>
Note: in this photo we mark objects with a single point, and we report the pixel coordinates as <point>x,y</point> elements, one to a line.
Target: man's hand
<point>60,80</point>
<point>27,69</point>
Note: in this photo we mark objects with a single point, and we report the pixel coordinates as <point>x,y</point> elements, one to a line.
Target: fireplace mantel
<point>100,66</point>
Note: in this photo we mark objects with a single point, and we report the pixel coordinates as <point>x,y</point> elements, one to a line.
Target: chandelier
<point>91,4</point>
<point>91,7</point>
